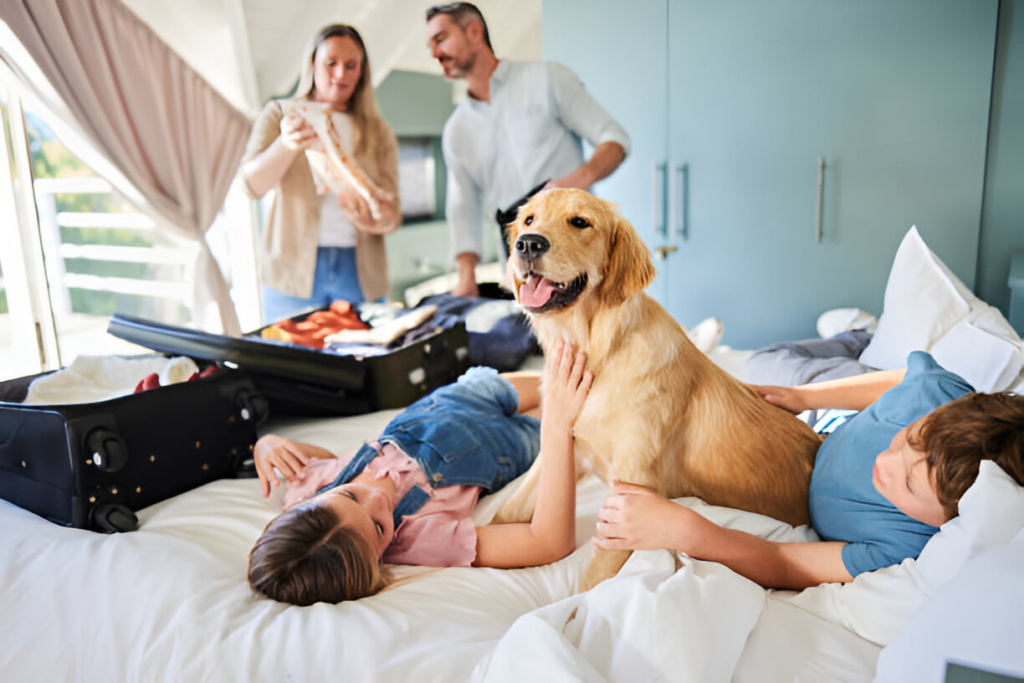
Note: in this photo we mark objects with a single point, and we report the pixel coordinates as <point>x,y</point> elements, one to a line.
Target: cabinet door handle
<point>821,186</point>
<point>682,203</point>
<point>658,197</point>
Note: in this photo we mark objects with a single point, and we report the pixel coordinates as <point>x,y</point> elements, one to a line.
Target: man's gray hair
<point>463,14</point>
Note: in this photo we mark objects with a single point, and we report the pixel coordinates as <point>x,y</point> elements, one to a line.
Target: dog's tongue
<point>536,292</point>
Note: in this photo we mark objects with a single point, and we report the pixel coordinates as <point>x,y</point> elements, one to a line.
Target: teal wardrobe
<point>781,150</point>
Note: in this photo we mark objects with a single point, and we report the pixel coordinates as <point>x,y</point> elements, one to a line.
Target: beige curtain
<point>165,131</point>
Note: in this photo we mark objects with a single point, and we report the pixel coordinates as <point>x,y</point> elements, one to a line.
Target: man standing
<point>521,125</point>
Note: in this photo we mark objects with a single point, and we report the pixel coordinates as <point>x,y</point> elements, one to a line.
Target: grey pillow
<point>811,360</point>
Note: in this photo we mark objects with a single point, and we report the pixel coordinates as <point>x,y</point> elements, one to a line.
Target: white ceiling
<point>250,50</point>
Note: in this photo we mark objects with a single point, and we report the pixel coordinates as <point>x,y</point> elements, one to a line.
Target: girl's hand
<point>787,398</point>
<point>274,452</point>
<point>565,385</point>
<point>637,518</point>
<point>296,133</point>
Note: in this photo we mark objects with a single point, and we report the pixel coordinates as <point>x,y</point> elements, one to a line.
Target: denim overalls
<point>468,433</point>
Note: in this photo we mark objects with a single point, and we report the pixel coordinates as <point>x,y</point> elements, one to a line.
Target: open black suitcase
<point>297,380</point>
<point>92,465</point>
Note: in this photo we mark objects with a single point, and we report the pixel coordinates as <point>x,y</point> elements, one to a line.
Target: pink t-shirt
<point>439,534</point>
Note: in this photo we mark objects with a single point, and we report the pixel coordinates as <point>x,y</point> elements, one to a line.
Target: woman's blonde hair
<point>368,123</point>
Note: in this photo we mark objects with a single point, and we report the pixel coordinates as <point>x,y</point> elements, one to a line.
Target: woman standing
<point>318,245</point>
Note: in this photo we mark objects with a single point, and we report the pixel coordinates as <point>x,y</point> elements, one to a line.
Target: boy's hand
<point>274,452</point>
<point>637,518</point>
<point>565,385</point>
<point>787,398</point>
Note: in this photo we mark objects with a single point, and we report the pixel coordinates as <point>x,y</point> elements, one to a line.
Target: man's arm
<point>465,268</point>
<point>637,518</point>
<point>463,211</point>
<point>605,159</point>
<point>585,117</point>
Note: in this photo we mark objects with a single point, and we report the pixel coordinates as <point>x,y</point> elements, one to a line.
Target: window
<point>6,345</point>
<point>82,253</point>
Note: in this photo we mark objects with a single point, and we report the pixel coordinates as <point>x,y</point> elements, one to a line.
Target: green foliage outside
<point>51,159</point>
<point>3,295</point>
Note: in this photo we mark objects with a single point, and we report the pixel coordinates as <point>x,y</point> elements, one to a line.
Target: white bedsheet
<point>170,602</point>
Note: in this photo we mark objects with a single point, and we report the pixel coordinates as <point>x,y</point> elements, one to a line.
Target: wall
<point>416,104</point>
<point>1002,218</point>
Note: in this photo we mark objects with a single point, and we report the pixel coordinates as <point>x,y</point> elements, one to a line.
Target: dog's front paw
<point>604,564</point>
<point>588,582</point>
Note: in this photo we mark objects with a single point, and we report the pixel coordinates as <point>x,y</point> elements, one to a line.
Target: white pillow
<point>921,304</point>
<point>927,308</point>
<point>876,605</point>
<point>974,620</point>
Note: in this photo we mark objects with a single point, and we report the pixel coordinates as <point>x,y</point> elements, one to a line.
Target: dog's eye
<point>529,220</point>
<point>578,222</point>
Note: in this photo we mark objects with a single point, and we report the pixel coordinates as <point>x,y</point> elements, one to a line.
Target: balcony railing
<point>56,251</point>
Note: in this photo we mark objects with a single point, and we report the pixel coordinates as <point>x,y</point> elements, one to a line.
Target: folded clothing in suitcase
<point>91,465</point>
<point>299,380</point>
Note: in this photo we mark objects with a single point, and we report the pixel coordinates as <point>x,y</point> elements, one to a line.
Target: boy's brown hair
<point>308,555</point>
<point>957,436</point>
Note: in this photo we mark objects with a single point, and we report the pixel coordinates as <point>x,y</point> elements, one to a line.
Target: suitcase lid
<point>259,356</point>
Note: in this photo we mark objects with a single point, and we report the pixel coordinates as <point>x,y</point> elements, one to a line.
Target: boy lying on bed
<point>407,498</point>
<point>930,432</point>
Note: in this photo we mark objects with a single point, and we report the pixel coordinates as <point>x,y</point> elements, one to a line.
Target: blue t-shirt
<point>844,504</point>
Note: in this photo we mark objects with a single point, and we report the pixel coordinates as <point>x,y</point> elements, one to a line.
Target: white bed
<point>170,602</point>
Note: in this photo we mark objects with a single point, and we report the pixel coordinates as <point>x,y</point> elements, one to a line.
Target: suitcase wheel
<point>109,453</point>
<point>112,518</point>
<point>252,407</point>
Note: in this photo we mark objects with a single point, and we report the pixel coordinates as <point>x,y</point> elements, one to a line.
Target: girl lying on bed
<point>407,497</point>
<point>930,431</point>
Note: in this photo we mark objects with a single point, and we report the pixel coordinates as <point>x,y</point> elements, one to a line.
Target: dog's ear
<point>629,269</point>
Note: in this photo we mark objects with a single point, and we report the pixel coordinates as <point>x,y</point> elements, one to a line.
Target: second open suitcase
<point>302,381</point>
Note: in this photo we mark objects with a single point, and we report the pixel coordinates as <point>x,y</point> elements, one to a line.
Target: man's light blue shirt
<point>531,131</point>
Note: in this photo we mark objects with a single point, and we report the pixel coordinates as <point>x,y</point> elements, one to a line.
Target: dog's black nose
<point>532,246</point>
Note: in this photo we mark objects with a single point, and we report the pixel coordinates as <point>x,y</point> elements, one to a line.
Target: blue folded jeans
<point>336,278</point>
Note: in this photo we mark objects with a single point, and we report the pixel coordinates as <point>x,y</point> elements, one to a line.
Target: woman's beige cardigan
<point>289,243</point>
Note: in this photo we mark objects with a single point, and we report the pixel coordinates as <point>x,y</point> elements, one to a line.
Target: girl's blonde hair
<point>308,555</point>
<point>368,123</point>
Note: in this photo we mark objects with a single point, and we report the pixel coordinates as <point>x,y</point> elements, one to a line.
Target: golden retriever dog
<point>660,413</point>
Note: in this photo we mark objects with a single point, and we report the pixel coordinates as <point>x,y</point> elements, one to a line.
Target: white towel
<point>90,379</point>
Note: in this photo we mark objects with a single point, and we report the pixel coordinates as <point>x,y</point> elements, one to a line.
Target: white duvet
<point>169,602</point>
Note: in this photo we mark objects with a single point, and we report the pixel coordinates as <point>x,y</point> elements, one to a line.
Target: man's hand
<point>466,286</point>
<point>581,179</point>
<point>637,518</point>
